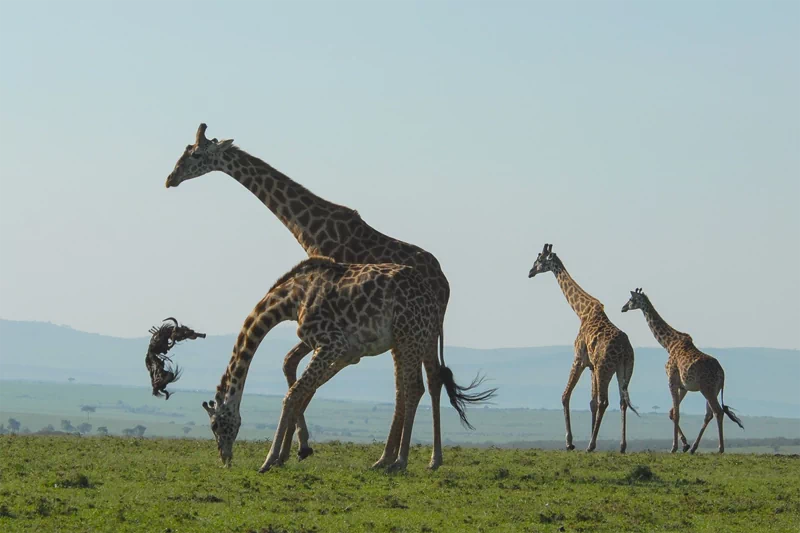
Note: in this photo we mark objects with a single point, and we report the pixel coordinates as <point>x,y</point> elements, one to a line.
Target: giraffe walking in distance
<point>346,312</point>
<point>600,346</point>
<point>321,227</point>
<point>688,369</point>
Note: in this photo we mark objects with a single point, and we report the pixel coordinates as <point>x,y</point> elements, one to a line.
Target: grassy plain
<point>70,483</point>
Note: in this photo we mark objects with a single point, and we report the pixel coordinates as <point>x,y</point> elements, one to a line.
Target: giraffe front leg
<point>574,375</point>
<point>290,364</point>
<point>414,391</point>
<point>392,447</point>
<point>675,414</point>
<point>322,367</point>
<point>684,443</point>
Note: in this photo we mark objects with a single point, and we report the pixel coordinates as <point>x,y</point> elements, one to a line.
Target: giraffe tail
<point>727,409</point>
<point>627,399</point>
<point>458,394</point>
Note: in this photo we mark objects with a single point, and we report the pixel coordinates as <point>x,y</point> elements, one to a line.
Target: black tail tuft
<point>729,411</point>
<point>460,396</point>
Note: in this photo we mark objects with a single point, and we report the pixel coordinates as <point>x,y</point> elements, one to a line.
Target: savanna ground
<point>70,483</point>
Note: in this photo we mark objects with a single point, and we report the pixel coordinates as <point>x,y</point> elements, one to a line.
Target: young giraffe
<point>322,228</point>
<point>346,312</point>
<point>600,346</point>
<point>688,369</point>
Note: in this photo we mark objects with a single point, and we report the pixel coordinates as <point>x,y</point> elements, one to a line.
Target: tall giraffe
<point>321,227</point>
<point>346,312</point>
<point>601,346</point>
<point>688,369</point>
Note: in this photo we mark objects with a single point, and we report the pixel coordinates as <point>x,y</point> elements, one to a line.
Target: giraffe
<point>688,369</point>
<point>346,312</point>
<point>321,227</point>
<point>600,346</point>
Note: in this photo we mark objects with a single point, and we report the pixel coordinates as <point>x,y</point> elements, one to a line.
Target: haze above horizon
<point>655,144</point>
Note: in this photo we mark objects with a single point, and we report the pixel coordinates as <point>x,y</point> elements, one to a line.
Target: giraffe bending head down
<point>346,312</point>
<point>600,346</point>
<point>688,369</point>
<point>321,227</point>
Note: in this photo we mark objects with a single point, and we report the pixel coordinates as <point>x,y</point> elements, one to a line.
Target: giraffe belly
<point>369,343</point>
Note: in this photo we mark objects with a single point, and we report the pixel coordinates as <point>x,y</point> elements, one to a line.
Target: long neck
<point>301,211</point>
<point>276,307</point>
<point>665,334</point>
<point>581,301</point>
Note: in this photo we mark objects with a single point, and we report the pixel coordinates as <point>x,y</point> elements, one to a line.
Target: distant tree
<point>186,430</point>
<point>84,428</point>
<point>2,429</point>
<point>88,409</point>
<point>70,379</point>
<point>655,408</point>
<point>139,430</point>
<point>66,425</point>
<point>13,425</point>
<point>128,432</point>
<point>25,430</point>
<point>49,428</point>
<point>102,430</point>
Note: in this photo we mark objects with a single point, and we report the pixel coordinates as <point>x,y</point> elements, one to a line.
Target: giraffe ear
<point>208,409</point>
<point>224,144</point>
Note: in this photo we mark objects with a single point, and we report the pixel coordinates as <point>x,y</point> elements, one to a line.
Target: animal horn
<point>171,319</point>
<point>200,138</point>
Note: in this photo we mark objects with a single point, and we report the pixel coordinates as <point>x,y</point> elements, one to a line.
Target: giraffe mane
<point>278,173</point>
<point>307,264</point>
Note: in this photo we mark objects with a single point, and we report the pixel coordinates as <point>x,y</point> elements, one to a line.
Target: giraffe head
<point>546,261</point>
<point>225,421</point>
<point>199,158</point>
<point>637,301</point>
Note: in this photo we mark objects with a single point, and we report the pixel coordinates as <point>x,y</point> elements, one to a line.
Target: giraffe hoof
<point>305,452</point>
<point>570,447</point>
<point>692,451</point>
<point>434,465</point>
<point>397,466</point>
<point>685,447</point>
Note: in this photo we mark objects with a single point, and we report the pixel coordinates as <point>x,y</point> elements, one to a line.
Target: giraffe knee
<point>603,403</point>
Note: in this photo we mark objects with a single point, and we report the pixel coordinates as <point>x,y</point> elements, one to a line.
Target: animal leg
<point>392,447</point>
<point>414,391</point>
<point>290,364</point>
<point>681,395</point>
<point>574,375</point>
<point>706,420</point>
<point>601,403</point>
<point>435,390</point>
<point>321,368</point>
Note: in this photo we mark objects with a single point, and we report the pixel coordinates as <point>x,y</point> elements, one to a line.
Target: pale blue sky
<point>656,144</point>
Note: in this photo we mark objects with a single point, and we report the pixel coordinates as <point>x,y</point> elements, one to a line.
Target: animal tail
<point>627,372</point>
<point>627,398</point>
<point>726,409</point>
<point>459,395</point>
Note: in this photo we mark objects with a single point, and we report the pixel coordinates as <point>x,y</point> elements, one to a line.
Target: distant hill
<point>759,381</point>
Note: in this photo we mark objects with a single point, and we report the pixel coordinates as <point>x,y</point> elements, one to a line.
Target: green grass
<point>115,484</point>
